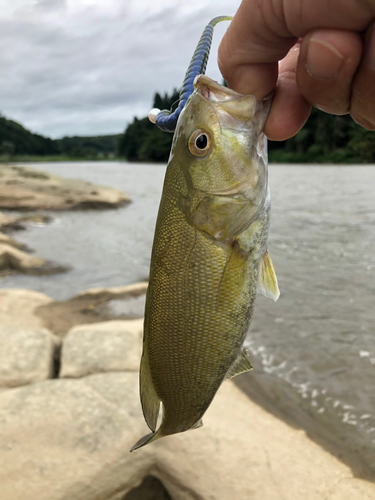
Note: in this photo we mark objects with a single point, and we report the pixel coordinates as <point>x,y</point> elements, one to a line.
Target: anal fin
<point>149,399</point>
<point>241,365</point>
<point>267,283</point>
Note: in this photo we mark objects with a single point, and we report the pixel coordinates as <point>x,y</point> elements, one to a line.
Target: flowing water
<point>315,347</point>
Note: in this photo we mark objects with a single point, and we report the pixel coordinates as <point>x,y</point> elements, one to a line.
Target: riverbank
<point>103,305</point>
<point>25,188</point>
<point>28,189</point>
<point>67,429</point>
<point>55,158</point>
<point>312,351</point>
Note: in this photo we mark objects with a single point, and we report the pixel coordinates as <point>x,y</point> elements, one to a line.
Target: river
<point>314,350</point>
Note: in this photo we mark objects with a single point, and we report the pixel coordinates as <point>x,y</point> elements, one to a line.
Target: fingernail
<point>323,60</point>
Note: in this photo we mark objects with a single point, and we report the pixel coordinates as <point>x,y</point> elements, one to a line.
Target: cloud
<point>88,67</point>
<point>47,5</point>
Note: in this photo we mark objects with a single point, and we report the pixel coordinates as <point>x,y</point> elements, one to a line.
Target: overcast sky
<point>87,67</point>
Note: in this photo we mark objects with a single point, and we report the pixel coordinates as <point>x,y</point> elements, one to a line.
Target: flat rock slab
<point>7,240</point>
<point>88,307</point>
<point>27,188</point>
<point>102,347</point>
<point>14,259</point>
<point>242,452</point>
<point>67,439</point>
<point>8,221</point>
<point>18,307</point>
<point>116,292</point>
<point>26,355</point>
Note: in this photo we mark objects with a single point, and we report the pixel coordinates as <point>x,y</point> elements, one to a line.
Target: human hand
<point>327,58</point>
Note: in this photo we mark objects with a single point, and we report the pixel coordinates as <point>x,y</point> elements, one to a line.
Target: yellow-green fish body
<point>210,239</point>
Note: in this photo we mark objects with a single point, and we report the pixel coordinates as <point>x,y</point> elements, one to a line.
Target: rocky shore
<point>69,402</point>
<point>70,411</point>
<point>27,189</point>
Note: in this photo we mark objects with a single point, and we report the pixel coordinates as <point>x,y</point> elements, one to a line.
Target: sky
<point>87,67</point>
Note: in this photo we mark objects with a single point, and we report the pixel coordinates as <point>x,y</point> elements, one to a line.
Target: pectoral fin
<point>267,283</point>
<point>241,365</point>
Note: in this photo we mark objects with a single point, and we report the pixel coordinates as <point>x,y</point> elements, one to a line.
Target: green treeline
<point>102,146</point>
<point>143,140</point>
<point>18,142</point>
<point>324,138</point>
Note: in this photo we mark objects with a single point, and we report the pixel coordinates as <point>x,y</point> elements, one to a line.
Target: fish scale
<point>209,257</point>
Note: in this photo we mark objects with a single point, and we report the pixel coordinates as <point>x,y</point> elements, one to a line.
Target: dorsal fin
<point>267,282</point>
<point>241,365</point>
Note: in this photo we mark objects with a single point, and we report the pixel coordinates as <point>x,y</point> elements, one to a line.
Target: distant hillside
<point>16,140</point>
<point>324,138</point>
<point>83,147</point>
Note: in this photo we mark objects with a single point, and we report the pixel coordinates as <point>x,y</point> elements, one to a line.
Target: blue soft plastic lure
<point>166,120</point>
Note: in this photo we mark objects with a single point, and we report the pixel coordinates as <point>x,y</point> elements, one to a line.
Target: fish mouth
<point>213,91</point>
<point>241,107</point>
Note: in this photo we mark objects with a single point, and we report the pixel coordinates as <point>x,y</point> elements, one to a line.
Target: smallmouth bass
<point>209,257</point>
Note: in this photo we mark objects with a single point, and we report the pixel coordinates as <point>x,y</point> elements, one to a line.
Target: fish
<point>209,257</point>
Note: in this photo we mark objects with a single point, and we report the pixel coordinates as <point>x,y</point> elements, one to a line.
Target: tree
<point>143,141</point>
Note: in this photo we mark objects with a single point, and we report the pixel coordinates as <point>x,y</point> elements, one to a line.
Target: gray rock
<point>7,240</point>
<point>68,440</point>
<point>19,307</point>
<point>7,221</point>
<point>102,347</point>
<point>116,292</point>
<point>26,355</point>
<point>27,188</point>
<point>14,259</point>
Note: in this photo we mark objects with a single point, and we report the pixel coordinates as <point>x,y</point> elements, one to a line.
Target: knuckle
<point>288,75</point>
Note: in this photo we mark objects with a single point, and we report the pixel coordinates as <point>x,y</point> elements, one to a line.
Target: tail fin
<point>148,438</point>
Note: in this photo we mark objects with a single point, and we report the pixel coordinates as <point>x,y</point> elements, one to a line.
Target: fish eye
<point>199,143</point>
